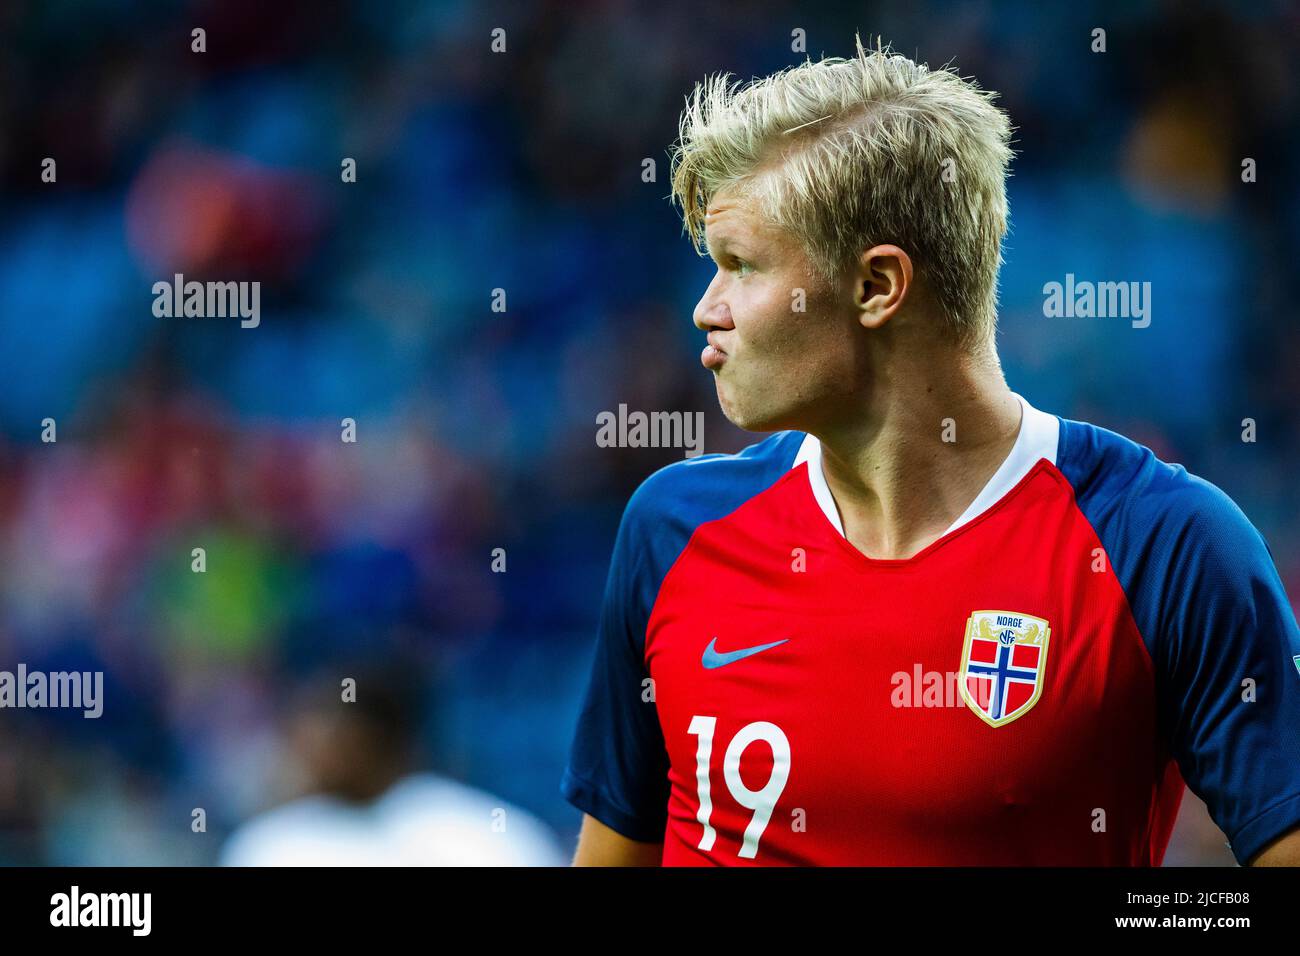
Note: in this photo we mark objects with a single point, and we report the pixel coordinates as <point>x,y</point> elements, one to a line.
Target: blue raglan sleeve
<point>618,764</point>
<point>1228,654</point>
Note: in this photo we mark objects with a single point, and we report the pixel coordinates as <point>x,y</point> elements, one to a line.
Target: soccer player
<point>924,622</point>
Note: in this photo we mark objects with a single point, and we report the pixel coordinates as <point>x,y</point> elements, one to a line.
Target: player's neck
<point>927,444</point>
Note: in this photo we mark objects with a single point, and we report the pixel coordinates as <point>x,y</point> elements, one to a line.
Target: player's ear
<point>882,279</point>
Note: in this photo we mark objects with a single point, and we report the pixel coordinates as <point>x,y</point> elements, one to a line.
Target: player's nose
<point>712,313</point>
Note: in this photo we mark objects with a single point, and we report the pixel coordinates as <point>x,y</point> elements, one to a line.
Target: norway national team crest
<point>1003,664</point>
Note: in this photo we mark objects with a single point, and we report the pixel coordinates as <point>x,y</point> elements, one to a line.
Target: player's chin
<point>742,411</point>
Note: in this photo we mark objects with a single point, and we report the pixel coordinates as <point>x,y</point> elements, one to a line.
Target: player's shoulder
<point>1140,504</point>
<point>690,492</point>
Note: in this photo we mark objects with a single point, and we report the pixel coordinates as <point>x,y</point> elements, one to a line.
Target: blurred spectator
<point>366,808</point>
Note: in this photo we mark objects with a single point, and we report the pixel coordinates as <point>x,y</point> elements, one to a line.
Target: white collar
<point>1037,439</point>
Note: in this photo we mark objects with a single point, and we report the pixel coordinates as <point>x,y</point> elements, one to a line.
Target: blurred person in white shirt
<point>365,805</point>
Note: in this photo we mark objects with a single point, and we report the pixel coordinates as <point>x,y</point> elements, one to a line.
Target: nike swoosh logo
<point>712,658</point>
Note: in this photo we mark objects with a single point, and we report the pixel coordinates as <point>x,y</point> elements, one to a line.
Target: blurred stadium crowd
<point>521,171</point>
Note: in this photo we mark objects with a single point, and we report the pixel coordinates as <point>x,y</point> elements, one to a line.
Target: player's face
<point>775,366</point>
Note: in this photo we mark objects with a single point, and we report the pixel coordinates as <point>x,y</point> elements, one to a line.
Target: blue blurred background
<point>476,429</point>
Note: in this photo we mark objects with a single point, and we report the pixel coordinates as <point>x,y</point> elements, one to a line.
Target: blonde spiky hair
<point>846,154</point>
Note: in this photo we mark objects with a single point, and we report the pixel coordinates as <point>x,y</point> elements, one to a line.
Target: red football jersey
<point>1022,691</point>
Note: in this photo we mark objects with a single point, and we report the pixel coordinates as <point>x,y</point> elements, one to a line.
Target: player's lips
<point>713,356</point>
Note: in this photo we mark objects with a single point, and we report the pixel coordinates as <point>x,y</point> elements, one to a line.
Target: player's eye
<point>741,267</point>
